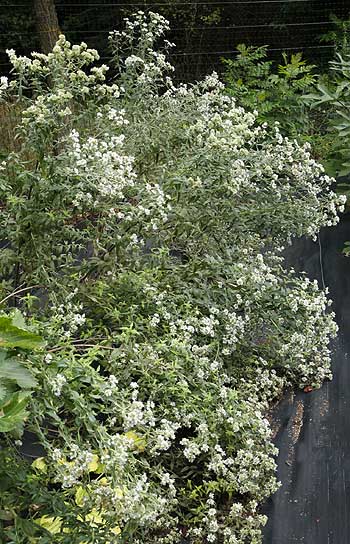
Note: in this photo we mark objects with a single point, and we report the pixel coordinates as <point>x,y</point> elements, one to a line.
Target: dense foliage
<point>148,221</point>
<point>334,93</point>
<point>275,92</point>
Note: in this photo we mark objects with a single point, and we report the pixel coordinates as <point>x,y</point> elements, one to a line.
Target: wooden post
<point>47,24</point>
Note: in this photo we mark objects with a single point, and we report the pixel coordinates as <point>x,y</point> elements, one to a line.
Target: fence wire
<point>202,31</point>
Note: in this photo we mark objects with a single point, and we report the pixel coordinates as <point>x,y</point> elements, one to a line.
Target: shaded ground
<point>312,430</point>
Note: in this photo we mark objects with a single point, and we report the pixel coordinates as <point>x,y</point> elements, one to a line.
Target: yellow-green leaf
<point>95,465</point>
<point>51,524</point>
<point>80,495</point>
<point>139,442</point>
<point>40,465</point>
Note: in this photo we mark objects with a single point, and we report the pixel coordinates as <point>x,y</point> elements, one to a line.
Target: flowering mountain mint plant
<point>147,221</point>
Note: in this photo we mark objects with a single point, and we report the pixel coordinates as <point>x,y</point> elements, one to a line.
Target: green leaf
<point>12,336</point>
<point>26,526</point>
<point>16,405</point>
<point>11,369</point>
<point>18,320</point>
<point>8,424</point>
<point>14,412</point>
<point>3,392</point>
<point>6,515</point>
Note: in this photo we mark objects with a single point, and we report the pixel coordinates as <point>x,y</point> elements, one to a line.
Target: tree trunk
<point>46,24</point>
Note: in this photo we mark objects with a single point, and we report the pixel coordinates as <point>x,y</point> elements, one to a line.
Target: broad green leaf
<point>14,417</point>
<point>7,425</point>
<point>13,413</point>
<point>18,320</point>
<point>95,465</point>
<point>11,369</point>
<point>15,406</point>
<point>12,336</point>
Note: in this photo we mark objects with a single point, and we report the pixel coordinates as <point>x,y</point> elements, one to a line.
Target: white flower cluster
<point>72,58</point>
<point>112,114</point>
<point>100,165</point>
<point>57,383</point>
<point>45,108</point>
<point>145,29</point>
<point>138,413</point>
<point>68,317</point>
<point>164,435</point>
<point>73,466</point>
<point>146,64</point>
<point>3,84</point>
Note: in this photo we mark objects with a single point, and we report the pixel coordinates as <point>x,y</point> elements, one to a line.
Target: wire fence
<point>203,31</point>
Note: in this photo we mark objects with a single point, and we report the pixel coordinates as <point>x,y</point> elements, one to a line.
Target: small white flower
<point>48,358</point>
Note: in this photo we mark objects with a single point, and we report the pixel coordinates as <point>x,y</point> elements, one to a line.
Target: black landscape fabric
<point>312,430</point>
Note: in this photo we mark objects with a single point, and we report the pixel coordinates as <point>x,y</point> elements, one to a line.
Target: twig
<point>18,291</point>
<point>59,348</point>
